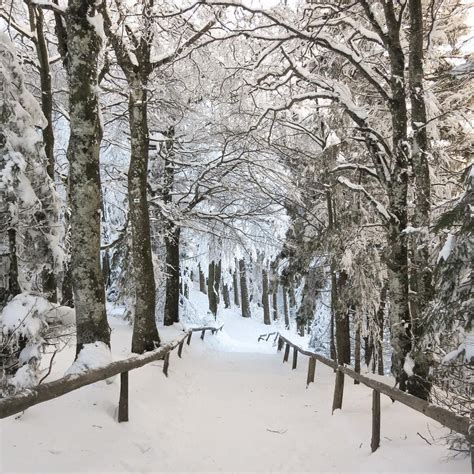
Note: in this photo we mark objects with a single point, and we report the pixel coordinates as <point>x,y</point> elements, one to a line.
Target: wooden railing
<point>457,423</point>
<point>48,391</point>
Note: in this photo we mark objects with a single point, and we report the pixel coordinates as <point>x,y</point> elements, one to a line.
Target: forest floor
<point>228,405</point>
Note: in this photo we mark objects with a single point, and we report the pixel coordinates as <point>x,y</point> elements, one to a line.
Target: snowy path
<point>220,411</point>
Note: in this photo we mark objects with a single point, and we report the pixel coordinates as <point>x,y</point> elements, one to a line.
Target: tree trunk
<point>397,259</point>
<point>218,280</point>
<point>332,342</point>
<point>357,350</point>
<point>275,298</point>
<point>265,302</point>
<point>211,288</point>
<point>13,283</point>
<point>37,26</point>
<point>48,277</point>
<point>380,328</point>
<point>341,321</point>
<point>235,285</point>
<point>421,285</point>
<point>226,295</point>
<point>172,235</point>
<point>84,178</point>
<point>244,292</point>
<point>422,281</point>
<point>145,334</point>
<point>285,308</point>
<point>202,281</point>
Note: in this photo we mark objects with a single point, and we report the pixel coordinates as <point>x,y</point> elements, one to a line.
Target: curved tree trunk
<point>84,178</point>
<point>145,334</point>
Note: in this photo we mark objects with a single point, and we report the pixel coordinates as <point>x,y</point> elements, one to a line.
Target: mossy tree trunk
<point>84,45</point>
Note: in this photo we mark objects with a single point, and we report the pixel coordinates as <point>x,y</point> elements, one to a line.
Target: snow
<point>409,365</point>
<point>228,405</point>
<point>469,345</point>
<point>408,230</point>
<point>357,187</point>
<point>466,349</point>
<point>24,315</point>
<point>97,21</point>
<point>24,378</point>
<point>448,246</point>
<point>92,356</point>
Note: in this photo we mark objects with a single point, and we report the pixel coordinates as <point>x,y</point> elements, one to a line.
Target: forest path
<point>228,405</point>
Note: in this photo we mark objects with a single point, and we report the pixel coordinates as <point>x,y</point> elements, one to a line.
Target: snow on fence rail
<point>460,424</point>
<point>48,391</point>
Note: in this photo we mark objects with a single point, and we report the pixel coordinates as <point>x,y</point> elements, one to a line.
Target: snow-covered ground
<point>228,405</point>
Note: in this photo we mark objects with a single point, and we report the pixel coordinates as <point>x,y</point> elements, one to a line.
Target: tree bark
<point>244,292</point>
<point>357,350</point>
<point>211,288</point>
<point>421,284</point>
<point>172,237</point>
<point>397,258</point>
<point>202,281</point>
<point>37,25</point>
<point>48,277</point>
<point>380,327</point>
<point>145,334</point>
<point>265,302</point>
<point>84,45</point>
<point>218,280</point>
<point>285,308</point>
<point>275,298</point>
<point>235,285</point>
<point>13,283</point>
<point>226,295</point>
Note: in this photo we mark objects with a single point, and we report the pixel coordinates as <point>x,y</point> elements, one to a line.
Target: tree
<point>84,44</point>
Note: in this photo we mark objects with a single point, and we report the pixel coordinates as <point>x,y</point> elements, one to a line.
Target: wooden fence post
<point>189,338</point>
<point>311,370</point>
<point>295,357</point>
<point>123,400</point>
<point>166,363</point>
<point>287,353</point>
<point>375,442</point>
<point>180,348</point>
<point>338,391</point>
<point>203,334</point>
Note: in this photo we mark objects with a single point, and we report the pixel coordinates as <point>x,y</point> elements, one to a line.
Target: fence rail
<point>460,424</point>
<point>48,391</point>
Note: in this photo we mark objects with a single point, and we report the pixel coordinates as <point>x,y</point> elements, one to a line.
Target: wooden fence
<point>460,424</point>
<point>48,391</point>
